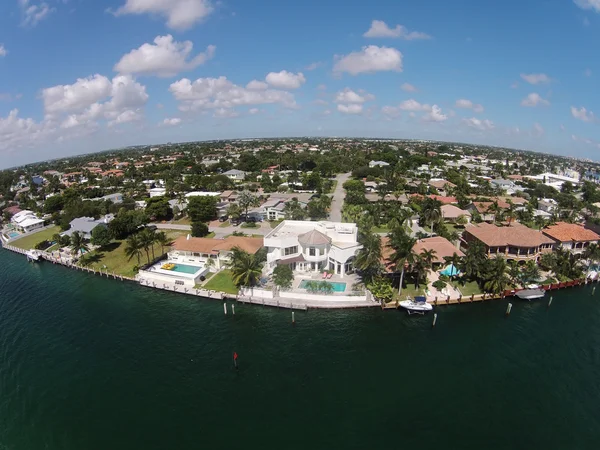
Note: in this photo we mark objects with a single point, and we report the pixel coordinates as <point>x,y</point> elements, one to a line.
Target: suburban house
<point>515,242</point>
<point>273,209</point>
<point>442,247</point>
<point>548,205</point>
<point>571,236</point>
<point>451,213</point>
<point>505,185</point>
<point>313,246</point>
<point>157,192</point>
<point>26,221</point>
<point>237,176</point>
<point>85,225</point>
<point>115,198</point>
<point>554,180</point>
<point>441,185</point>
<point>373,164</point>
<point>229,196</point>
<point>187,249</point>
<point>485,209</point>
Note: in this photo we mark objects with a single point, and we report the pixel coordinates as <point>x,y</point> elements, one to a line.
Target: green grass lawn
<point>183,221</point>
<point>250,225</point>
<point>114,258</point>
<point>222,282</point>
<point>29,242</point>
<point>225,224</point>
<point>274,223</point>
<point>468,289</point>
<point>380,229</point>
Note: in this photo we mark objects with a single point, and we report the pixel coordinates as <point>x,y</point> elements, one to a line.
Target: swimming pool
<point>13,234</point>
<point>184,268</point>
<point>337,287</point>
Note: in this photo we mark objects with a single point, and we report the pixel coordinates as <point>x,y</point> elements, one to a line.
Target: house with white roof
<point>26,221</point>
<point>313,246</point>
<point>237,176</point>
<point>378,164</point>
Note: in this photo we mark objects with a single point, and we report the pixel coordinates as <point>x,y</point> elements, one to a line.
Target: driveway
<point>335,213</point>
<point>265,228</point>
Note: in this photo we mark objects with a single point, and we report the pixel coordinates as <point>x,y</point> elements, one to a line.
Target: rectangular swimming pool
<point>184,268</point>
<point>337,287</point>
<point>13,234</point>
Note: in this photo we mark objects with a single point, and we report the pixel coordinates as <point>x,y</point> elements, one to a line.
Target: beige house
<point>451,213</point>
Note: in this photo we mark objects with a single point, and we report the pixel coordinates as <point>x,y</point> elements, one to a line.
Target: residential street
<point>335,214</point>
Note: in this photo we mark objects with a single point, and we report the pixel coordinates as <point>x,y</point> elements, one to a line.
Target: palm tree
<point>461,220</point>
<point>431,212</point>
<point>473,263</point>
<point>531,272</point>
<point>56,237</point>
<point>163,240</point>
<point>147,241</point>
<point>245,268</point>
<point>428,256</point>
<point>540,222</point>
<point>514,272</point>
<point>78,244</point>
<point>133,247</point>
<point>403,254</point>
<point>368,258</point>
<point>592,253</point>
<point>496,279</point>
<point>419,267</point>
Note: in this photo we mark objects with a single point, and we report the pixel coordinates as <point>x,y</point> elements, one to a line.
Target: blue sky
<point>78,76</point>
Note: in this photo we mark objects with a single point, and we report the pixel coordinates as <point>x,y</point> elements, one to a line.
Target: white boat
<point>592,275</point>
<point>417,306</point>
<point>530,294</point>
<point>33,255</point>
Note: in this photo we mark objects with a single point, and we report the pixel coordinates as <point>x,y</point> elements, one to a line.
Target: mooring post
<point>593,290</point>
<point>508,308</point>
<point>293,318</point>
<point>434,320</point>
<point>233,309</point>
<point>550,302</point>
<point>225,308</point>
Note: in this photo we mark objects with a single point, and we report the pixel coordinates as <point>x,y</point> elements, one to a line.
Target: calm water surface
<point>89,363</point>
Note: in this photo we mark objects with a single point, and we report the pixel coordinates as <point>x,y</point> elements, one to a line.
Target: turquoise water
<point>337,287</point>
<point>90,363</point>
<point>184,268</point>
<point>13,234</point>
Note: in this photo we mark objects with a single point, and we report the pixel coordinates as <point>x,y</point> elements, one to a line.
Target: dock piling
<point>434,320</point>
<point>508,308</point>
<point>293,319</point>
<point>593,290</point>
<point>233,309</point>
<point>225,308</point>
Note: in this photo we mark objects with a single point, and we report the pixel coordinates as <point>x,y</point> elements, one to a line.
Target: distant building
<point>373,164</point>
<point>451,213</point>
<point>26,221</point>
<point>570,236</point>
<point>157,192</point>
<point>237,176</point>
<point>85,225</point>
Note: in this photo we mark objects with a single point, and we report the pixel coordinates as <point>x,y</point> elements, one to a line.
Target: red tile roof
<point>570,232</point>
<point>515,235</point>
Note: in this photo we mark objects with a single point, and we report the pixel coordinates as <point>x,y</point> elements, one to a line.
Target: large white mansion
<point>313,246</point>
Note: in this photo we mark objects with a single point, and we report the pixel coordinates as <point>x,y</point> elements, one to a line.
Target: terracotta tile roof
<point>442,247</point>
<point>441,184</point>
<point>207,245</point>
<point>569,232</point>
<point>453,212</point>
<point>515,235</point>
<point>440,198</point>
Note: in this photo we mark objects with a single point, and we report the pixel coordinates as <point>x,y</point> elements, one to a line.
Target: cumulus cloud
<point>370,59</point>
<point>588,4</point>
<point>79,104</point>
<point>165,58</point>
<point>18,132</point>
<point>379,29</point>
<point>214,93</point>
<point>285,79</point>
<point>180,14</point>
<point>583,114</point>
<point>407,87</point>
<point>468,104</point>
<point>534,99</point>
<point>390,111</point>
<point>478,124</point>
<point>413,105</point>
<point>354,108</point>
<point>3,51</point>
<point>170,122</point>
<point>33,13</point>
<point>349,96</point>
<point>536,78</point>
<point>225,113</point>
<point>435,115</point>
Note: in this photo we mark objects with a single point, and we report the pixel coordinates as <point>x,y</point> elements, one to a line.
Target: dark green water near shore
<point>91,363</point>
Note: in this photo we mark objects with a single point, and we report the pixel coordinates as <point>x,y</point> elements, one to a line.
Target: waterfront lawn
<point>113,256</point>
<point>470,288</point>
<point>222,282</point>
<point>30,241</point>
<point>410,290</point>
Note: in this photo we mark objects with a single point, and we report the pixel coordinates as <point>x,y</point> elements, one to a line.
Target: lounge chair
<point>324,275</point>
<point>329,276</point>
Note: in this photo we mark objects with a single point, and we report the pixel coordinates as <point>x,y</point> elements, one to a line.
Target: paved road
<point>172,226</point>
<point>335,214</point>
<point>265,227</point>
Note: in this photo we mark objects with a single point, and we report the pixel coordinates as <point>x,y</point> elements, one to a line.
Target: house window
<point>290,250</point>
<point>312,251</point>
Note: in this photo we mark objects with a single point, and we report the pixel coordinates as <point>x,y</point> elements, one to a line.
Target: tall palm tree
<point>496,279</point>
<point>368,258</point>
<point>163,240</point>
<point>245,268</point>
<point>147,240</point>
<point>540,222</point>
<point>403,255</point>
<point>419,267</point>
<point>514,272</point>
<point>431,212</point>
<point>133,247</point>
<point>78,244</point>
<point>472,264</point>
<point>428,257</point>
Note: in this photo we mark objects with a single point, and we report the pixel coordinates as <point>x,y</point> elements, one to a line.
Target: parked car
<point>235,222</point>
<point>223,218</point>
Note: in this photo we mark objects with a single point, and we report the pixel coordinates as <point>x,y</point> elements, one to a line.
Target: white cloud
<point>379,29</point>
<point>536,78</point>
<point>534,99</point>
<point>435,115</point>
<point>16,132</point>
<point>32,14</point>
<point>349,96</point>
<point>254,111</point>
<point>413,105</point>
<point>256,85</point>
<point>390,111</point>
<point>369,60</point>
<point>478,124</point>
<point>468,104</point>
<point>354,108</point>
<point>3,51</point>
<point>225,113</point>
<point>285,79</point>
<point>165,58</point>
<point>180,14</point>
<point>407,87</point>
<point>588,4</point>
<point>213,93</point>
<point>587,72</point>
<point>171,121</point>
<point>313,66</point>
<point>583,114</point>
<point>538,130</point>
<point>124,99</point>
